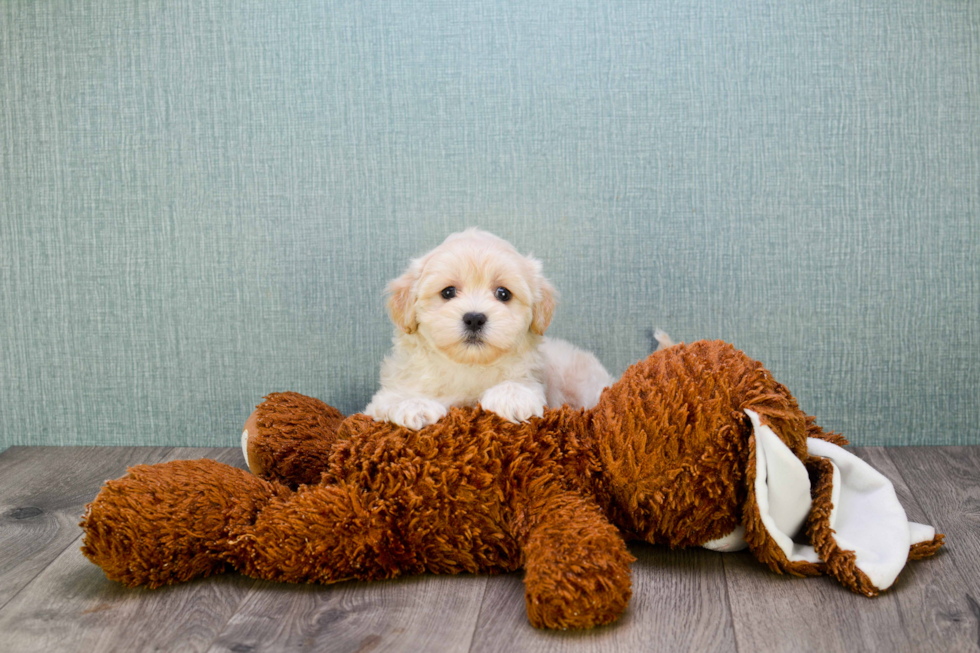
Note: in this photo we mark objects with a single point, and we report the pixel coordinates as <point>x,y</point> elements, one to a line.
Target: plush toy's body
<point>679,451</point>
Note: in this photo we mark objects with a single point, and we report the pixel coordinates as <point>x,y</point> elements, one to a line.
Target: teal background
<point>201,201</point>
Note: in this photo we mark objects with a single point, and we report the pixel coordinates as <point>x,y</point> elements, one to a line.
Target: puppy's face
<point>474,298</point>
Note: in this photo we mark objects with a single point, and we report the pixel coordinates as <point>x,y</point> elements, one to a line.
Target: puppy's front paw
<point>515,402</point>
<point>416,413</point>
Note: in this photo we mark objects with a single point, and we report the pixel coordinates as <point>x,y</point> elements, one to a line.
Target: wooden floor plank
<point>783,613</point>
<point>679,604</point>
<point>946,483</point>
<point>424,613</point>
<point>43,491</point>
<point>71,606</point>
<point>683,600</point>
<point>780,613</point>
<point>930,592</point>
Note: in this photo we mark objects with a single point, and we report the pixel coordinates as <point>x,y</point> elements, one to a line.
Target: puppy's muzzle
<point>474,322</point>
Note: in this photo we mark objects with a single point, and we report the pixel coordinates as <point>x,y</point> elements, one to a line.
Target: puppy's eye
<point>448,292</point>
<point>502,294</point>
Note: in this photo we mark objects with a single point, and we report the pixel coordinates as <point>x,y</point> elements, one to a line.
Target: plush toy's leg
<point>289,438</point>
<point>576,565</point>
<point>323,534</point>
<point>171,522</point>
<point>180,520</point>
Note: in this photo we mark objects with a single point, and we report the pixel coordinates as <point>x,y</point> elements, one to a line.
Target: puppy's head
<point>474,298</point>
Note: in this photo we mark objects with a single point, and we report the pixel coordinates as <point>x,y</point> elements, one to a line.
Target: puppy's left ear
<point>545,300</point>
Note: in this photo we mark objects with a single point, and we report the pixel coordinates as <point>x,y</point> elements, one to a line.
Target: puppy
<point>470,316</point>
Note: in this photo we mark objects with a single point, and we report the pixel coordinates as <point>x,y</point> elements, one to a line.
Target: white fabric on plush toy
<point>866,518</point>
<point>782,492</point>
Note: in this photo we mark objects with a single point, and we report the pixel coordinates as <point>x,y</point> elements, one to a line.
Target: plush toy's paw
<point>171,522</point>
<point>515,402</point>
<point>251,426</point>
<point>576,569</point>
<point>416,413</point>
<point>289,438</point>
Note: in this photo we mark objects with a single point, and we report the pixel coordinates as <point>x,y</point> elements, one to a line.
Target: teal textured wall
<point>201,200</point>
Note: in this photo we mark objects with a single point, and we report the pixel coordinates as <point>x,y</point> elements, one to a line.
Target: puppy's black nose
<point>474,321</point>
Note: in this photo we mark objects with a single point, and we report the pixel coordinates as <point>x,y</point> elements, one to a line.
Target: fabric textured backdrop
<point>202,201</point>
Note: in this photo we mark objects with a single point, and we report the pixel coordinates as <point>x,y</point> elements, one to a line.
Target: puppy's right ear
<point>402,293</point>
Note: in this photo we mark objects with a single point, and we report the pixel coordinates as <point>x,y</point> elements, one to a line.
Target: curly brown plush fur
<point>665,456</point>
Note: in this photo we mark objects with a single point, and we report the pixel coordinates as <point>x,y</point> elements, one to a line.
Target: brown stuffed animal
<point>694,446</point>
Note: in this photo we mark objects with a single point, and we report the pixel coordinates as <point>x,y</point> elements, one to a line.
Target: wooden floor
<point>52,599</point>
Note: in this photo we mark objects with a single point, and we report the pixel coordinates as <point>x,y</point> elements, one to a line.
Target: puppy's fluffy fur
<point>470,319</point>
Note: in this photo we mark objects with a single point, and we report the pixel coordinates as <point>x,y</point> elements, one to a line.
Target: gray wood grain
<point>930,592</point>
<point>683,600</point>
<point>43,491</point>
<point>946,483</point>
<point>424,613</point>
<point>782,613</point>
<point>679,604</point>
<point>71,606</point>
<point>773,612</point>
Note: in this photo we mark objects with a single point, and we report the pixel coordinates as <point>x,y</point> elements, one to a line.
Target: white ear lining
<point>867,517</point>
<point>782,493</point>
<point>920,533</point>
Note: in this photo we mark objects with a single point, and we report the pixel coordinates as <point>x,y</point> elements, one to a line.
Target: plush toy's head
<point>673,440</point>
<point>695,446</point>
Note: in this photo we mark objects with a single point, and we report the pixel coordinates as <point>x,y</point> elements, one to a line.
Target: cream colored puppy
<point>470,317</point>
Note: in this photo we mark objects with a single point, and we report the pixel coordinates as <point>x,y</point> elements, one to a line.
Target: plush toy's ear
<point>402,293</point>
<point>545,299</point>
<point>856,526</point>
